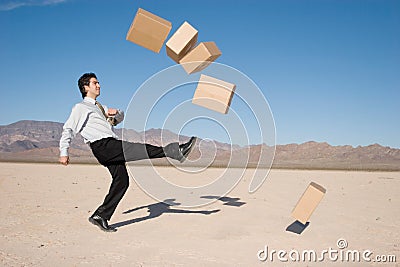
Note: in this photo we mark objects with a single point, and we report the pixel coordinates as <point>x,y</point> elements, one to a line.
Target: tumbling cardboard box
<point>214,94</point>
<point>200,57</point>
<point>148,30</point>
<point>308,202</point>
<point>181,42</point>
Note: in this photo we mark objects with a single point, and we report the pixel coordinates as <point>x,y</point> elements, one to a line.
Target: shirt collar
<point>90,100</point>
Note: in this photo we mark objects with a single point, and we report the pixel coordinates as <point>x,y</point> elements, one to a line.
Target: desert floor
<point>44,210</point>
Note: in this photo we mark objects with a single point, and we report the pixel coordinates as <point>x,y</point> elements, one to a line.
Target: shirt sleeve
<point>71,127</point>
<point>120,116</point>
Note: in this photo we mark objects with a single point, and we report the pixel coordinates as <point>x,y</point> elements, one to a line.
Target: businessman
<point>96,124</point>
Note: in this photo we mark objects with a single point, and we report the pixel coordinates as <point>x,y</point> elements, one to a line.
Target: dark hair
<point>85,80</point>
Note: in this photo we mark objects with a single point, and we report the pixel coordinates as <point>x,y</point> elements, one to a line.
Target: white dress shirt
<point>87,119</point>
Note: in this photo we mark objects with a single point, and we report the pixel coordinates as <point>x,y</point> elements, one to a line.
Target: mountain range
<point>37,141</point>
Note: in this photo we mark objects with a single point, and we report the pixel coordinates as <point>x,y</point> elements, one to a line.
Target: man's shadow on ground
<point>157,209</point>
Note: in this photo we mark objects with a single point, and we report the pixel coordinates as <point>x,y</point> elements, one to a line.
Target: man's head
<point>89,85</point>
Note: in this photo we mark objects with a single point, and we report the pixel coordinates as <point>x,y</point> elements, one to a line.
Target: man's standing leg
<point>119,185</point>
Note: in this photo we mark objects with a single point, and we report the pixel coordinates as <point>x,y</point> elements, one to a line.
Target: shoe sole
<point>101,228</point>
<point>190,150</point>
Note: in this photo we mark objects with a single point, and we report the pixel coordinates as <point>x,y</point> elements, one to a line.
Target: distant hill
<point>37,141</point>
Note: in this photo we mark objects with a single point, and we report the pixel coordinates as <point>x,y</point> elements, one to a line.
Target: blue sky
<point>329,69</point>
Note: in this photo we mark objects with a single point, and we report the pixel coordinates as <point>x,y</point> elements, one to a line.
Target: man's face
<point>93,90</point>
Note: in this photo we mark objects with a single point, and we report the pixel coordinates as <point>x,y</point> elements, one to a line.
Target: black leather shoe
<point>186,148</point>
<point>101,223</point>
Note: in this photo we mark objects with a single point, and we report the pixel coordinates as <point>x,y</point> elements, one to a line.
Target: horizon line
<point>281,144</point>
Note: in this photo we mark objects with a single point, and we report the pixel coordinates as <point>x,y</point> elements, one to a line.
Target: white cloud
<point>9,5</point>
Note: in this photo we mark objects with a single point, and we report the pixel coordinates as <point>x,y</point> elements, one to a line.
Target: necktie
<point>111,120</point>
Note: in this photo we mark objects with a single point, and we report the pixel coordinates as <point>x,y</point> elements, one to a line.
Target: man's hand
<point>64,160</point>
<point>112,112</point>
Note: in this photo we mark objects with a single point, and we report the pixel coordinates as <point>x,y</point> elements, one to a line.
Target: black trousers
<point>110,153</point>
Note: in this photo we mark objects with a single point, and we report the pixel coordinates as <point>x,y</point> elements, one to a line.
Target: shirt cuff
<point>64,152</point>
<point>119,117</point>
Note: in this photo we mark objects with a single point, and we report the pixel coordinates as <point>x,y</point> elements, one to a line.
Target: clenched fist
<point>64,160</point>
<point>112,112</point>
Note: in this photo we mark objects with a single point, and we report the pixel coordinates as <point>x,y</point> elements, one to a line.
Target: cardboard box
<point>308,202</point>
<point>181,42</point>
<point>200,57</point>
<point>214,94</point>
<point>148,30</point>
